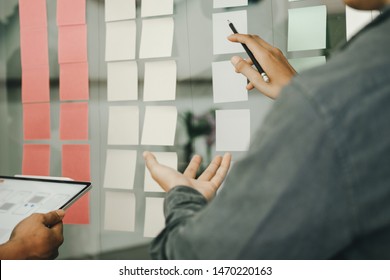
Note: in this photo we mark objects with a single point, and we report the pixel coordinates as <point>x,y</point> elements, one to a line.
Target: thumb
<point>150,160</point>
<point>53,217</point>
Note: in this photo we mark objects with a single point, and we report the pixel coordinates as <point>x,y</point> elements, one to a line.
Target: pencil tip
<point>228,21</point>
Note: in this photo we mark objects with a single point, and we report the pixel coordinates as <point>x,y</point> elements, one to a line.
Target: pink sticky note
<point>74,84</point>
<point>32,13</point>
<point>70,12</point>
<point>74,121</point>
<point>36,160</point>
<point>35,85</point>
<point>76,165</point>
<point>72,44</point>
<point>36,121</point>
<point>34,47</point>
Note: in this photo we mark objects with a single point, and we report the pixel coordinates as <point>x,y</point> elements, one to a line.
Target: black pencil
<point>251,56</point>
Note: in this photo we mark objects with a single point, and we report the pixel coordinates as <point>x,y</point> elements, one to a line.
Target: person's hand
<point>271,59</point>
<point>207,183</point>
<point>38,236</point>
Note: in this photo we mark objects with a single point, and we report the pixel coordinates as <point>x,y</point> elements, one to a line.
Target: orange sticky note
<point>36,160</point>
<point>70,12</point>
<point>72,44</point>
<point>32,13</point>
<point>74,83</point>
<point>76,165</point>
<point>36,121</point>
<point>34,47</point>
<point>74,121</point>
<point>35,85</point>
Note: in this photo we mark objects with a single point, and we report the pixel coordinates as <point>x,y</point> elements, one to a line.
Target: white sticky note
<point>221,31</point>
<point>123,125</point>
<point>160,80</point>
<point>120,169</point>
<point>154,216</point>
<point>159,125</point>
<point>119,10</point>
<point>307,28</point>
<point>356,20</point>
<point>168,159</point>
<point>301,64</point>
<point>229,3</point>
<point>120,40</point>
<point>119,211</point>
<point>150,8</point>
<point>232,130</point>
<point>156,37</point>
<point>228,86</point>
<point>122,81</point>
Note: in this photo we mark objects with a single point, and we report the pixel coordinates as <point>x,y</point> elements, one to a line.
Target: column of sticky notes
<point>123,115</point>
<point>306,31</point>
<point>35,87</point>
<point>232,126</point>
<point>74,96</point>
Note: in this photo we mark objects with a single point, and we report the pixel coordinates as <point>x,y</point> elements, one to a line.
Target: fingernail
<point>60,213</point>
<point>235,59</point>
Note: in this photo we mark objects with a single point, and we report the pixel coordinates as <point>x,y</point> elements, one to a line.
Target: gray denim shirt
<point>315,183</point>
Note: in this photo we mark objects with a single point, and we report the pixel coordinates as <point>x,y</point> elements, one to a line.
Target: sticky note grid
<point>126,133</point>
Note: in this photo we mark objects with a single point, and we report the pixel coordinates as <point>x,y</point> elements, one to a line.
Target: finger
<point>222,170</point>
<point>150,161</point>
<point>51,218</point>
<point>249,86</point>
<point>57,231</point>
<point>248,71</point>
<point>211,169</point>
<point>193,167</point>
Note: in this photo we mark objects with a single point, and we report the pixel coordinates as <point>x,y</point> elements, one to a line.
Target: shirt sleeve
<point>284,200</point>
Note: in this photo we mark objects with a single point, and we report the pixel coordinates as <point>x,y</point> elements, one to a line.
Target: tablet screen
<point>20,197</point>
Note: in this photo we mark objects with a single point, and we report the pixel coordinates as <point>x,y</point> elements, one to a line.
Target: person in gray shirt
<point>315,183</point>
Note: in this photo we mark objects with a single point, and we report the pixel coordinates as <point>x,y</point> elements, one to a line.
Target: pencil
<point>251,56</point>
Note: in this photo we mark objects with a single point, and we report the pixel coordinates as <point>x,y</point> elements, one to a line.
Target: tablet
<point>20,197</point>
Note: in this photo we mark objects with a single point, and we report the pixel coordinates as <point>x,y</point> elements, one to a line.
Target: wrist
<point>13,250</point>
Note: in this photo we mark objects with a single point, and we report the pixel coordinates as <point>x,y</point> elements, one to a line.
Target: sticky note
<point>356,20</point>
<point>229,3</point>
<point>160,80</point>
<point>74,82</point>
<point>123,125</point>
<point>119,10</point>
<point>122,81</point>
<point>72,44</point>
<point>120,40</point>
<point>159,125</point>
<point>76,165</point>
<point>76,162</point>
<point>36,121</point>
<point>120,169</point>
<point>34,48</point>
<point>154,216</point>
<point>232,130</point>
<point>221,30</point>
<point>35,85</point>
<point>150,8</point>
<point>165,158</point>
<point>307,28</point>
<point>36,160</point>
<point>70,12</point>
<point>156,37</point>
<point>304,63</point>
<point>228,86</point>
<point>119,211</point>
<point>74,121</point>
<point>32,13</point>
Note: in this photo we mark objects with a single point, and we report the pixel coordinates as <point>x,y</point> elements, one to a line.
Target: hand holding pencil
<point>270,63</point>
